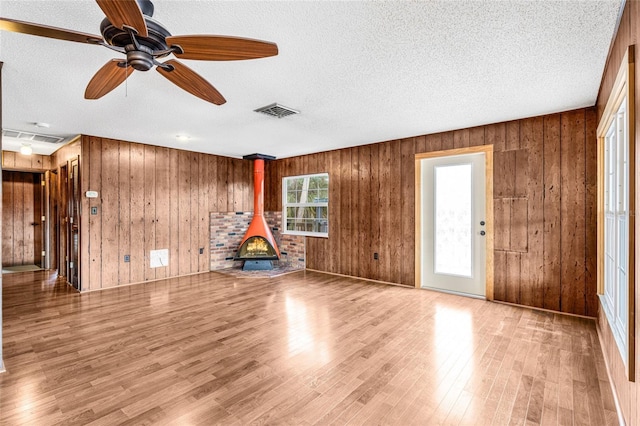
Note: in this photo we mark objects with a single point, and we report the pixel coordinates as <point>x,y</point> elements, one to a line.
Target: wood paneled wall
<point>152,198</point>
<point>22,207</point>
<point>544,208</point>
<point>628,392</point>
<point>16,161</point>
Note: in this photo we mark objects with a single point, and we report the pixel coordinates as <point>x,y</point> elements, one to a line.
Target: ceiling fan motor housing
<point>140,59</point>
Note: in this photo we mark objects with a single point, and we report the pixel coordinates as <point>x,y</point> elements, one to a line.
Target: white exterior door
<point>454,224</point>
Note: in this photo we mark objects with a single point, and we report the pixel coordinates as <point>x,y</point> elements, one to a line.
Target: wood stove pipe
<point>258,226</point>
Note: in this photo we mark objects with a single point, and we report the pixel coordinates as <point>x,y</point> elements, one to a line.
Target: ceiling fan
<point>130,29</point>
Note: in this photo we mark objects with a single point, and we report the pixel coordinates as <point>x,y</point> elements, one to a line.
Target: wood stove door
<point>454,224</point>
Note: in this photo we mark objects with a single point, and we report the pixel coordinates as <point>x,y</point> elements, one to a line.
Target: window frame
<point>286,204</point>
<point>622,92</point>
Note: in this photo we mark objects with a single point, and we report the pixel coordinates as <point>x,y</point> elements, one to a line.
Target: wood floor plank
<point>305,348</point>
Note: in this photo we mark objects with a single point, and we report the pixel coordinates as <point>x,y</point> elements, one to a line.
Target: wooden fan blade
<point>187,79</point>
<point>123,13</point>
<point>221,48</point>
<point>110,76</point>
<point>15,26</point>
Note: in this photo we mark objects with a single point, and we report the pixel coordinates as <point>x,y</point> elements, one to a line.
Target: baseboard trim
<point>360,278</point>
<point>610,377</point>
<point>551,311</point>
<point>141,282</point>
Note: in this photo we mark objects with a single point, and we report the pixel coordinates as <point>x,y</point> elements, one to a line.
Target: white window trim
<point>611,299</point>
<point>285,204</point>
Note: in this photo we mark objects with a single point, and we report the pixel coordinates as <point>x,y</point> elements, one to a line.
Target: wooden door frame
<point>488,151</point>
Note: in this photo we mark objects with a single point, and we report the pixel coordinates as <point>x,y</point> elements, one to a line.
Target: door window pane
<point>452,224</point>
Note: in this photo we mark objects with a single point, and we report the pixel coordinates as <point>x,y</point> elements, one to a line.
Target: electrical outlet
<point>375,256</point>
<point>94,210</point>
<point>201,250</point>
<point>127,258</point>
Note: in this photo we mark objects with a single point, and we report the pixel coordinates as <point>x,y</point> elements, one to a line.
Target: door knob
<point>482,223</point>
<point>482,233</point>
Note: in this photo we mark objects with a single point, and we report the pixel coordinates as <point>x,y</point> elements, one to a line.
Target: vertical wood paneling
<point>552,248</point>
<point>518,235</point>
<point>110,217</point>
<point>364,218</point>
<point>8,201</point>
<point>174,214</point>
<point>408,209</point>
<point>572,204</point>
<point>346,230</point>
<point>149,212</point>
<point>396,236</point>
<point>34,162</point>
<point>223,183</point>
<point>512,136</point>
<point>124,211</point>
<point>184,206</point>
<point>502,223</point>
<point>138,257</point>
<point>374,190</point>
<point>194,207</point>
<point>231,207</point>
<point>203,212</point>
<point>447,141</point>
<point>461,138</point>
<point>91,280</point>
<point>532,287</point>
<point>162,208</point>
<point>385,209</point>
<point>512,279</point>
<point>476,136</point>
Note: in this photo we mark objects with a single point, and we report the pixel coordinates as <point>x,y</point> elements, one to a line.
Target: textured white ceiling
<point>360,71</point>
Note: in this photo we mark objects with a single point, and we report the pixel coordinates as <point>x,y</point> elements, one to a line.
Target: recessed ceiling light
<point>182,138</point>
<point>42,125</point>
<point>26,149</point>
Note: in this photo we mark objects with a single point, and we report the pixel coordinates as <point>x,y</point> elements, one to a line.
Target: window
<point>616,256</point>
<point>305,205</point>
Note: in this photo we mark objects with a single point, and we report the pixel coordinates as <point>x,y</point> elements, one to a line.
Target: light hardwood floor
<point>305,348</point>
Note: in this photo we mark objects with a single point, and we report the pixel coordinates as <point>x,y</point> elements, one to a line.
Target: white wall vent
<point>277,110</point>
<point>31,137</point>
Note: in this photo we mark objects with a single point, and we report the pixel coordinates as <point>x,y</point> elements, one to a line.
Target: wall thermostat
<point>92,194</point>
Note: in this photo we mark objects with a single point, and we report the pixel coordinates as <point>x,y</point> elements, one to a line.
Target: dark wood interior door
<point>62,222</point>
<point>74,224</point>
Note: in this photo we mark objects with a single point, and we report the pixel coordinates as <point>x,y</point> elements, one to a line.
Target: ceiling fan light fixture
<point>26,149</point>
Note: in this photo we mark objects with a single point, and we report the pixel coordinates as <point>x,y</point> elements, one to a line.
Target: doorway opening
<point>23,236</point>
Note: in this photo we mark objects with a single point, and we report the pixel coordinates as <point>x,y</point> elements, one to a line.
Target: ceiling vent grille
<point>277,110</point>
<point>31,137</point>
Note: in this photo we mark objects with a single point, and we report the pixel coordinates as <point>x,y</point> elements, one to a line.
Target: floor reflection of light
<point>304,331</point>
<point>453,341</point>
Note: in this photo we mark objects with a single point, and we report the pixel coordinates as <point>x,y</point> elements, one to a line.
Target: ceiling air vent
<point>33,137</point>
<point>277,110</point>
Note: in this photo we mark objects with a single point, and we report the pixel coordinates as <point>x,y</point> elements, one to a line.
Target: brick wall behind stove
<point>228,229</point>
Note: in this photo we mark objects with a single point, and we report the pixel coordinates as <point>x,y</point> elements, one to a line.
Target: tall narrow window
<point>305,205</point>
<point>616,203</point>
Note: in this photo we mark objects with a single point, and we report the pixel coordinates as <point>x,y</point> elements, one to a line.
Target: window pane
<point>453,204</point>
<point>313,193</point>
